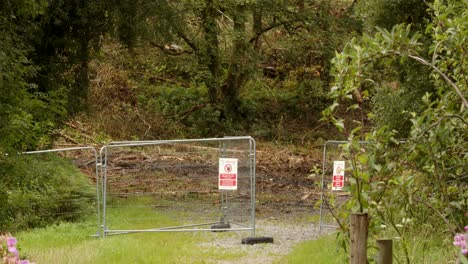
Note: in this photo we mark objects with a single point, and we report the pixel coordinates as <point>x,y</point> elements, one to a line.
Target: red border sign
<point>338,175</point>
<point>227,177</point>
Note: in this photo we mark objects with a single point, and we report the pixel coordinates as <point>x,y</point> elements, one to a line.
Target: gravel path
<point>285,232</point>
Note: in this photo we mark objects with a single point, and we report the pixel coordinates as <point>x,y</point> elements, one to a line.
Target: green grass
<point>421,250</point>
<point>72,243</point>
<point>321,251</point>
<point>69,244</point>
<point>426,246</point>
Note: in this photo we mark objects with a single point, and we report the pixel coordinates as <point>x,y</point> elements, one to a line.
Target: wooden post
<point>385,251</point>
<point>359,233</point>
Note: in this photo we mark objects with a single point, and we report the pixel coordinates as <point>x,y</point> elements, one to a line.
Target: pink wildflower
<point>11,241</point>
<point>13,250</point>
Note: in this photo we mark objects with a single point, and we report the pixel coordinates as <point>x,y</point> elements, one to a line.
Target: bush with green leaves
<point>188,108</point>
<point>387,13</point>
<point>420,184</point>
<point>27,113</point>
<point>40,190</point>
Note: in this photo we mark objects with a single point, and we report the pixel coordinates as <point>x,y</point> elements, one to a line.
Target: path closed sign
<point>227,179</point>
<point>338,175</point>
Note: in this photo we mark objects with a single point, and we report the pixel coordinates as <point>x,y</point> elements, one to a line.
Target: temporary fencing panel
<point>334,179</point>
<point>178,185</point>
<point>65,203</point>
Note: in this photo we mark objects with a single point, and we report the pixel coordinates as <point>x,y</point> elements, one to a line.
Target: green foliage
<point>48,45</point>
<point>26,115</point>
<point>135,96</point>
<point>421,182</point>
<point>37,191</point>
<point>324,250</point>
<point>397,93</point>
<point>265,112</point>
<point>223,53</point>
<point>45,49</point>
<point>189,107</point>
<point>277,113</point>
<point>63,38</point>
<point>387,13</point>
<point>306,53</point>
<point>13,89</point>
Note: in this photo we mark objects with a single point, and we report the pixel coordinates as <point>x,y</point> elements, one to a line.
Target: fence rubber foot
<point>220,226</point>
<point>257,240</point>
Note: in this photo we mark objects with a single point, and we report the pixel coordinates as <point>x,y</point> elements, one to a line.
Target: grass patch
<point>323,250</point>
<point>72,243</point>
<point>421,248</point>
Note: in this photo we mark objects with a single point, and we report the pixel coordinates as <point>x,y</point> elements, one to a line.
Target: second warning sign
<point>338,175</point>
<point>227,179</point>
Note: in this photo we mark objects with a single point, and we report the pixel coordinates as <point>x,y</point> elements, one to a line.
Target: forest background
<point>296,72</point>
<point>144,69</point>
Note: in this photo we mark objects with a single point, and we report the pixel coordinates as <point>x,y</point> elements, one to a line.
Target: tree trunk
<point>359,233</point>
<point>210,53</point>
<point>78,94</point>
<point>257,26</point>
<point>237,70</point>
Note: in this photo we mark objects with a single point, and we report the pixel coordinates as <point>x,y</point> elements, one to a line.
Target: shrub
<point>37,191</point>
<point>285,112</point>
<point>187,108</point>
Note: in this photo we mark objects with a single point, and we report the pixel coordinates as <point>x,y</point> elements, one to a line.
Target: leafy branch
<point>444,76</point>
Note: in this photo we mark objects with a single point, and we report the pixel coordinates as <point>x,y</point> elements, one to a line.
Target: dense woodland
<point>296,71</point>
<point>186,68</point>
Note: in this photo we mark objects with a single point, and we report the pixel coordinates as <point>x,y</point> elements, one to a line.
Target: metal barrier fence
<point>70,205</point>
<point>178,185</point>
<point>329,156</point>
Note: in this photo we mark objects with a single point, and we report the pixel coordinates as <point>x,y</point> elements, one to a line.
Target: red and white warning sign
<point>227,179</point>
<point>338,175</point>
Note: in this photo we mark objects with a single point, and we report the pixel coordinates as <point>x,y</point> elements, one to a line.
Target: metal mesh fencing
<point>173,185</point>
<point>332,151</point>
<point>332,193</point>
<point>62,194</point>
